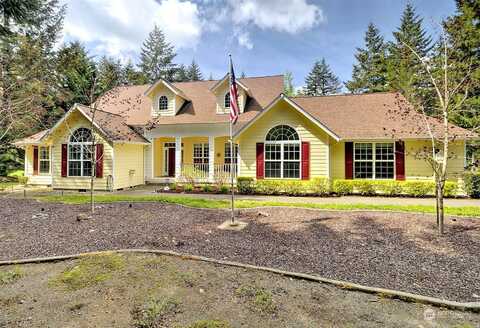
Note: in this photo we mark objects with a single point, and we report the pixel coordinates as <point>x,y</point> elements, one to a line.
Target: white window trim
<point>49,160</point>
<point>227,146</point>
<point>81,160</point>
<point>373,160</point>
<point>226,108</point>
<point>158,103</point>
<point>203,157</point>
<point>282,159</point>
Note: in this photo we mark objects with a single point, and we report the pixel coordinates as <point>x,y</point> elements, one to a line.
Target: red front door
<point>171,162</point>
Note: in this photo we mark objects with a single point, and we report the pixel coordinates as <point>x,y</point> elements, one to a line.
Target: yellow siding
<point>337,159</point>
<point>220,149</point>
<point>282,113</point>
<point>188,147</point>
<point>61,136</point>
<point>128,166</point>
<point>417,168</point>
<point>158,155</point>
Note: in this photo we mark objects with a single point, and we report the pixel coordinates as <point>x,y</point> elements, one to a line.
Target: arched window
<point>80,153</point>
<point>163,103</point>
<point>226,102</point>
<point>282,153</point>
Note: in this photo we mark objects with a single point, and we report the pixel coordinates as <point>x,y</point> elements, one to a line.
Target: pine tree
<point>288,88</point>
<point>16,13</point>
<point>321,80</point>
<point>109,74</point>
<point>405,72</point>
<point>193,72</point>
<point>131,76</point>
<point>156,57</point>
<point>181,74</point>
<point>76,73</point>
<point>463,33</point>
<point>370,72</point>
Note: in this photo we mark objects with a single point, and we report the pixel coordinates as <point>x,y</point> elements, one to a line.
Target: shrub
<point>343,187</point>
<point>188,187</point>
<point>269,187</point>
<point>206,188</point>
<point>320,186</point>
<point>294,187</point>
<point>391,188</point>
<point>246,185</point>
<point>451,189</point>
<point>364,187</point>
<point>22,180</point>
<point>472,184</point>
<point>419,188</point>
<point>223,189</point>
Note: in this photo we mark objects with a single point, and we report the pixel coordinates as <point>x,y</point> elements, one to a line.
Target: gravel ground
<point>391,250</point>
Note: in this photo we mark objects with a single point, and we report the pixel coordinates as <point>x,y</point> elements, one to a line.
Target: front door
<point>171,162</point>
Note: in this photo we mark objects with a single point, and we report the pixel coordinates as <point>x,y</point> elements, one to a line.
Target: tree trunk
<point>441,214</point>
<point>437,203</point>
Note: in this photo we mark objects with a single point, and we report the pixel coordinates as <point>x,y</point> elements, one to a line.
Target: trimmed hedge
<point>324,187</point>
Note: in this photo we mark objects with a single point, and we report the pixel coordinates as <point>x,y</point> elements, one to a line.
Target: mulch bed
<point>391,250</point>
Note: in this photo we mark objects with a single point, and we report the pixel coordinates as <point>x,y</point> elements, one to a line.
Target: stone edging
<point>390,293</point>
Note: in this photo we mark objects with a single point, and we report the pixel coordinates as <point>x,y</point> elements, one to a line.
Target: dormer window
<point>162,103</point>
<point>226,102</point>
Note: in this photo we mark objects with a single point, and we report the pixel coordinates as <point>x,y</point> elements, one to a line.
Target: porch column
<point>211,159</point>
<point>178,157</point>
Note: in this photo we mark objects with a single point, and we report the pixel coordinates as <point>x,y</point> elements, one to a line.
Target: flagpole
<point>232,157</point>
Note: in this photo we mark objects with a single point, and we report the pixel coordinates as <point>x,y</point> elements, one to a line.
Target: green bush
<point>320,186</point>
<point>388,187</point>
<point>188,187</point>
<point>450,189</point>
<point>245,185</point>
<point>419,188</point>
<point>22,180</point>
<point>294,187</point>
<point>343,187</point>
<point>223,189</point>
<point>269,187</point>
<point>206,188</point>
<point>365,187</point>
<point>472,184</point>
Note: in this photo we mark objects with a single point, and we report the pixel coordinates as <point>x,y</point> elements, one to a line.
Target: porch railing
<point>200,172</point>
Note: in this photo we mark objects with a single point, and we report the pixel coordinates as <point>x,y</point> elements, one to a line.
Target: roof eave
<point>170,86</point>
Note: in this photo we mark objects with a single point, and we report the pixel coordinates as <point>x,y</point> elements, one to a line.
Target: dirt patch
<point>146,292</point>
<point>391,250</point>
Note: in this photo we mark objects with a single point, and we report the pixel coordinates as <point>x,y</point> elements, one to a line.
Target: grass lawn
<point>470,211</point>
<point>147,291</point>
<point>6,185</point>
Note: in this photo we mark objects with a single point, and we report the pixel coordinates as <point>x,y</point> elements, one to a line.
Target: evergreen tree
<point>288,88</point>
<point>109,74</point>
<point>243,75</point>
<point>463,33</point>
<point>370,72</point>
<point>131,76</point>
<point>16,13</point>
<point>181,74</point>
<point>193,72</point>
<point>76,73</point>
<point>156,57</point>
<point>405,72</point>
<point>321,80</point>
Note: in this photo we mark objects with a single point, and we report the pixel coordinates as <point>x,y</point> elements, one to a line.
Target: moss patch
<point>10,276</point>
<point>209,324</point>
<point>259,298</point>
<point>88,271</point>
<point>154,312</point>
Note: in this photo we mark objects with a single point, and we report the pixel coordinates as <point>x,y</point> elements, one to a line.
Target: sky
<point>265,37</point>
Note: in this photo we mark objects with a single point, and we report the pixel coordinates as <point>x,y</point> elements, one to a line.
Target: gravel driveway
<point>391,250</point>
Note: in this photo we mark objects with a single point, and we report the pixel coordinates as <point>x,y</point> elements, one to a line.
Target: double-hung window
<point>374,160</point>
<point>80,152</point>
<point>282,153</point>
<point>44,160</point>
<point>200,153</point>
<point>229,159</point>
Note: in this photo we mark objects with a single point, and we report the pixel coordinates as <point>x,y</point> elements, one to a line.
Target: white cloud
<point>244,40</point>
<point>291,16</point>
<point>118,27</point>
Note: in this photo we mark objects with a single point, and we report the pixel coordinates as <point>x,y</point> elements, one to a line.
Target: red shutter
<point>400,160</point>
<point>305,160</point>
<point>260,160</point>
<point>35,160</point>
<point>64,160</point>
<point>349,160</point>
<point>99,161</point>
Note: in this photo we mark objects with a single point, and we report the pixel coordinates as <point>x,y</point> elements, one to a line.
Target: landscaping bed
<point>140,290</point>
<point>383,249</point>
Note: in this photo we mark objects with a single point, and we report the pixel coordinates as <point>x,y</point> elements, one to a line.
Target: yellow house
<point>169,132</point>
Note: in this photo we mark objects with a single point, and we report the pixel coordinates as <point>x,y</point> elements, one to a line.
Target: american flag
<point>234,111</point>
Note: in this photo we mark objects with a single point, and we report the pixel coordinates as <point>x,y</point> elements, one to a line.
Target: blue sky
<point>265,37</point>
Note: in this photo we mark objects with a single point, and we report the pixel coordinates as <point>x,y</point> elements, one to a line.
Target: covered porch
<point>192,159</point>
